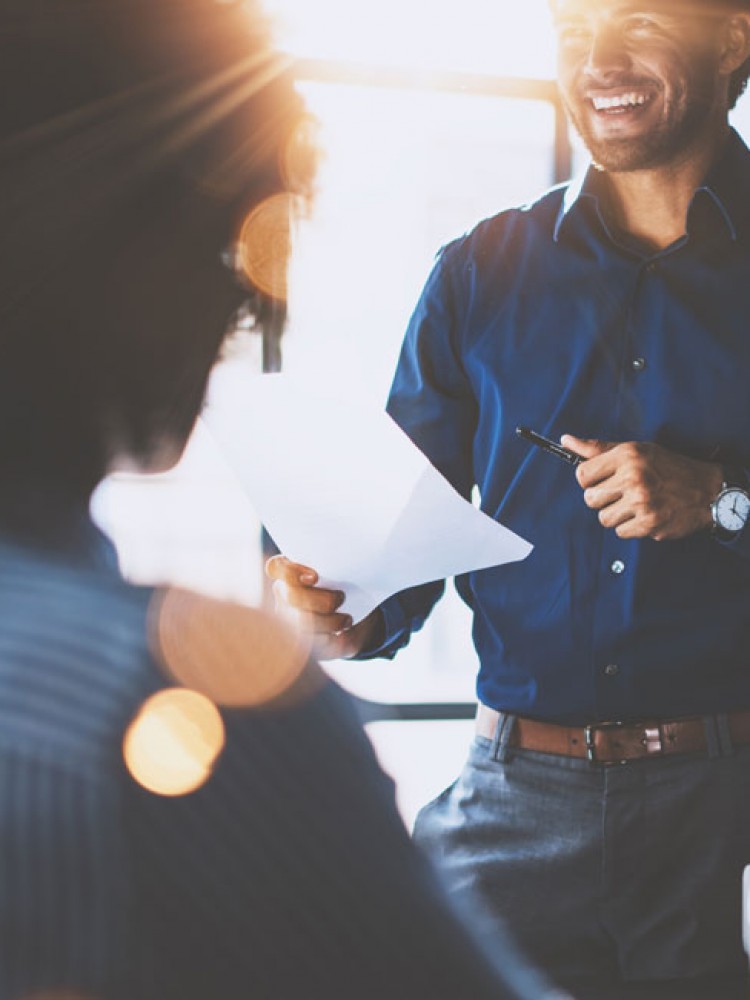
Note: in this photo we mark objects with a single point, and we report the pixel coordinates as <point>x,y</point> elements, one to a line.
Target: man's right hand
<point>314,609</point>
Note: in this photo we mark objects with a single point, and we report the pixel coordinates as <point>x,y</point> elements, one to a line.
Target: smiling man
<point>649,92</point>
<point>604,811</point>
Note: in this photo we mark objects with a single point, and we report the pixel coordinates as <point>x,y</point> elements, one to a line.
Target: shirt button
<point>611,670</point>
<point>638,364</point>
<point>651,266</point>
<point>617,567</point>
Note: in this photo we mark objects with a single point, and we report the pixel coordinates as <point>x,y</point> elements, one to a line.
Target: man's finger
<point>281,568</point>
<point>615,515</point>
<point>326,625</point>
<point>587,447</point>
<point>597,470</point>
<point>599,497</point>
<point>313,600</point>
<point>631,528</point>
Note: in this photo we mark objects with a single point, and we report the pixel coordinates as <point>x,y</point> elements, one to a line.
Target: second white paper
<point>342,489</point>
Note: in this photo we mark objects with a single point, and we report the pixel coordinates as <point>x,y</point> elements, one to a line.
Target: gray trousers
<point>619,881</point>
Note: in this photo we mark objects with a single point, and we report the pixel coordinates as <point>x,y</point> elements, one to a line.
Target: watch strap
<point>734,475</point>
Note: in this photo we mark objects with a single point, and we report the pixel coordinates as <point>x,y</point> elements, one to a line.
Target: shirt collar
<point>727,185</point>
<point>582,189</point>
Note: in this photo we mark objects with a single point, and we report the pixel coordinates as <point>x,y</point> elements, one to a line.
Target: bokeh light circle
<point>235,655</point>
<point>172,744</point>
<point>265,244</point>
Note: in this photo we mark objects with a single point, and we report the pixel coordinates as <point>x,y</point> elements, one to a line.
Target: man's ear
<point>736,42</point>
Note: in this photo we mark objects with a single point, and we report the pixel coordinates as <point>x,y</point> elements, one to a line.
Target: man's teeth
<point>618,101</point>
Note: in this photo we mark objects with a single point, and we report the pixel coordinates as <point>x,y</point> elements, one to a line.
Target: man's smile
<point>619,101</point>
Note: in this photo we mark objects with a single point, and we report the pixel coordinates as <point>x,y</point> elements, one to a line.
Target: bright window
<point>501,37</point>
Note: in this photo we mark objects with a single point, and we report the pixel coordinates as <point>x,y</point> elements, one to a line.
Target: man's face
<point>639,77</point>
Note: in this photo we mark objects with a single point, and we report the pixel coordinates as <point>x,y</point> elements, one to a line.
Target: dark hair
<point>133,136</point>
<point>738,83</point>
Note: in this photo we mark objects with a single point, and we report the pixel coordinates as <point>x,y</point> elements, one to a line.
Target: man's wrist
<point>714,486</point>
<point>373,632</point>
<point>367,635</point>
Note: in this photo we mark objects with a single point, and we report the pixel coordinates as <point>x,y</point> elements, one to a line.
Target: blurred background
<point>431,117</point>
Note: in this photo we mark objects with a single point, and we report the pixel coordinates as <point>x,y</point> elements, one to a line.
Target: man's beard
<point>663,144</point>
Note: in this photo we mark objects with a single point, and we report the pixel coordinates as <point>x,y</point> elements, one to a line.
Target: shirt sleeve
<point>432,401</point>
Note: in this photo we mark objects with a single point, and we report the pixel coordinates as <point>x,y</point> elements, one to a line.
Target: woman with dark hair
<point>152,844</point>
<point>135,137</point>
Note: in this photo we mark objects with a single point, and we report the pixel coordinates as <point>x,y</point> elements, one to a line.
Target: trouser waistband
<point>620,742</point>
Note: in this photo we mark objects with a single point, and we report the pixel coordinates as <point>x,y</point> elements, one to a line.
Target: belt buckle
<point>588,735</point>
<point>652,740</point>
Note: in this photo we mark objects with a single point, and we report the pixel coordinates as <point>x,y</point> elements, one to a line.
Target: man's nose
<point>607,52</point>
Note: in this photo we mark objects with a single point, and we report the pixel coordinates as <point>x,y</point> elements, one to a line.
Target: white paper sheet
<point>342,489</point>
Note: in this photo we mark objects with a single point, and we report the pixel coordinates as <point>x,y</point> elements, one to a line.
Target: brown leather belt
<point>614,742</point>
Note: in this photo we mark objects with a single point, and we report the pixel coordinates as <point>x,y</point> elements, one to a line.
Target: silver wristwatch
<point>731,508</point>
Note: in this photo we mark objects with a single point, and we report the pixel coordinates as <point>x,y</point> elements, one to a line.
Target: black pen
<point>551,446</point>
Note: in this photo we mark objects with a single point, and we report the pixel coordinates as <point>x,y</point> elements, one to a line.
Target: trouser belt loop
<point>713,738</point>
<point>501,751</point>
<point>726,745</point>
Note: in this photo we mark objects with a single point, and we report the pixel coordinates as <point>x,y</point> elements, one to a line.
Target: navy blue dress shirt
<point>546,316</point>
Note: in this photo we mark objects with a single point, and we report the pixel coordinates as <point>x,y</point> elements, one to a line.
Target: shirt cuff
<point>394,634</point>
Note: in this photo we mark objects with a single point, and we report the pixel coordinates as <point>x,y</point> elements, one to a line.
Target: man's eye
<point>573,34</point>
<point>640,23</point>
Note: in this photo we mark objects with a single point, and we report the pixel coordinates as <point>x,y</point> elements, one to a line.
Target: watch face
<point>732,509</point>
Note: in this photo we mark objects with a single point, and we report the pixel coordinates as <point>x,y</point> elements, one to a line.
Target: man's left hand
<point>642,490</point>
